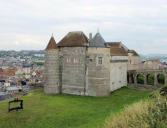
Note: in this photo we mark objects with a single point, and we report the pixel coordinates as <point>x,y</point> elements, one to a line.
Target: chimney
<point>90,36</point>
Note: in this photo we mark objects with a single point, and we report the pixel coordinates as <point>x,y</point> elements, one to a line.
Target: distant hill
<point>162,57</point>
<point>13,53</point>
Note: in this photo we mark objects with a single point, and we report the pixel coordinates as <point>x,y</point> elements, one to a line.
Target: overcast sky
<point>139,24</point>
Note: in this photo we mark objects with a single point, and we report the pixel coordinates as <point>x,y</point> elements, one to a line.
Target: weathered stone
<point>97,84</point>
<point>73,72</point>
<point>145,73</point>
<point>52,81</point>
<point>118,72</point>
<point>83,70</point>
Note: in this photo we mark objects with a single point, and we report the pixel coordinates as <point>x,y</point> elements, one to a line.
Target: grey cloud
<point>138,24</point>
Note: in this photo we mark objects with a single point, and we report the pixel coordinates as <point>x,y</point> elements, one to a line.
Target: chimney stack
<point>90,36</point>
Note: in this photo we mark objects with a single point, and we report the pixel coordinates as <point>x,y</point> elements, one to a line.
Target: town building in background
<point>20,72</point>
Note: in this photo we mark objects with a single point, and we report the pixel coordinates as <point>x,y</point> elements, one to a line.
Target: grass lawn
<point>67,111</point>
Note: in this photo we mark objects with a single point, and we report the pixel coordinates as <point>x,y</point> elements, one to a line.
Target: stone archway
<point>147,79</point>
<point>140,79</point>
<point>150,79</point>
<point>161,79</point>
<point>130,78</point>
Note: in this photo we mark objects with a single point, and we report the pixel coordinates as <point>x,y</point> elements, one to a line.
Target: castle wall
<point>98,75</point>
<point>73,70</point>
<point>133,62</point>
<point>118,72</point>
<point>52,83</point>
<point>150,64</point>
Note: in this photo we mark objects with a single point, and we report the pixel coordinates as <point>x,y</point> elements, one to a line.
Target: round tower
<point>52,81</point>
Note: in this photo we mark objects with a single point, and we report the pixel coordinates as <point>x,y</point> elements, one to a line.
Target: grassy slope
<point>150,113</point>
<point>67,111</point>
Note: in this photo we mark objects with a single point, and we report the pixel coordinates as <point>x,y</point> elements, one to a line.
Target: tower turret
<point>52,82</point>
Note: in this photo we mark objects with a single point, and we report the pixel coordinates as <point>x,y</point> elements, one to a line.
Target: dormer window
<point>100,60</point>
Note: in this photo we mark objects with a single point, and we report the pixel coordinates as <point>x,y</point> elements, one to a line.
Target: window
<point>68,60</point>
<point>99,60</point>
<point>130,62</point>
<point>75,60</point>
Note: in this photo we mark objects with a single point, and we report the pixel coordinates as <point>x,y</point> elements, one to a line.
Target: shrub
<point>150,79</point>
<point>151,113</point>
<point>140,79</point>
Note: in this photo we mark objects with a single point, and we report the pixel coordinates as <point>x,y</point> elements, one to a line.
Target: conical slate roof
<point>52,44</point>
<point>97,41</point>
<point>74,39</point>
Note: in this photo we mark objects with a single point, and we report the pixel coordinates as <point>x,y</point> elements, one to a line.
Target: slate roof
<point>74,39</point>
<point>134,52</point>
<point>117,49</point>
<point>97,41</point>
<point>52,44</point>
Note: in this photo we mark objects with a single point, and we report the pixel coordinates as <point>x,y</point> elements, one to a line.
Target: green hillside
<point>150,113</point>
<point>67,111</point>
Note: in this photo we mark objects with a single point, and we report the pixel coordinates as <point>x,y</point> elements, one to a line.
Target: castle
<point>81,66</point>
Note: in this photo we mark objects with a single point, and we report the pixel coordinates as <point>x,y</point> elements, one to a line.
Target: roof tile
<point>134,52</point>
<point>52,44</point>
<point>77,38</point>
<point>116,49</point>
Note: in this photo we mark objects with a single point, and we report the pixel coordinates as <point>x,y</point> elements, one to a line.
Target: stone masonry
<point>81,66</point>
<point>73,70</point>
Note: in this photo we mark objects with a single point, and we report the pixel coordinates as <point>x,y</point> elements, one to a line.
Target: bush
<point>150,79</point>
<point>140,79</point>
<point>151,113</point>
<point>39,63</point>
<point>161,79</point>
<point>163,91</point>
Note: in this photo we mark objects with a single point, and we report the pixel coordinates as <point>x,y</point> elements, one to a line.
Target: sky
<point>139,24</point>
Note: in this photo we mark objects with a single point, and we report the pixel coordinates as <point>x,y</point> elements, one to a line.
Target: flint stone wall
<point>73,70</point>
<point>52,85</point>
<point>98,75</point>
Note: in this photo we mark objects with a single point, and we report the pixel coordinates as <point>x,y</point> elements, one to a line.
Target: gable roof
<point>97,41</point>
<point>117,49</point>
<point>134,52</point>
<point>52,44</point>
<point>76,38</point>
<point>118,52</point>
<point>114,44</point>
